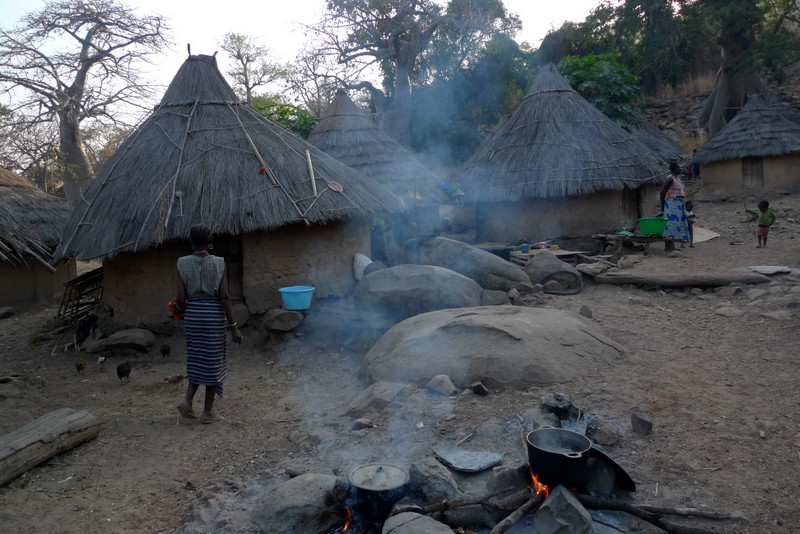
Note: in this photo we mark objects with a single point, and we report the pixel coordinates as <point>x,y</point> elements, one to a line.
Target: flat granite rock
<point>464,460</point>
<point>770,269</point>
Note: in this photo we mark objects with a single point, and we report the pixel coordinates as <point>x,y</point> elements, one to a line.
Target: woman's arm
<point>665,188</point>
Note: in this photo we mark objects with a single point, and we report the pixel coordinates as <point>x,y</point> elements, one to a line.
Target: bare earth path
<point>724,393</point>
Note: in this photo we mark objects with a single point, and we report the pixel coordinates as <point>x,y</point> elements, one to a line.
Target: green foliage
<point>606,83</point>
<point>297,119</point>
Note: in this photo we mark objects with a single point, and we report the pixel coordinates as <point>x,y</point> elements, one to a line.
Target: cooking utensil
<point>377,487</point>
<point>558,456</point>
<point>624,480</point>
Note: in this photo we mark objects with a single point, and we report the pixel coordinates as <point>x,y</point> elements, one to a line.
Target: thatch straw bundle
<point>764,127</point>
<point>556,144</point>
<point>657,141</point>
<point>30,221</point>
<point>203,156</point>
<point>351,137</point>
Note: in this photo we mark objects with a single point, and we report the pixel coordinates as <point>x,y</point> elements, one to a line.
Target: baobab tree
<point>71,61</point>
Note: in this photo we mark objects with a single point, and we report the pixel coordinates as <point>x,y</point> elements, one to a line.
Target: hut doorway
<point>752,172</point>
<point>230,248</point>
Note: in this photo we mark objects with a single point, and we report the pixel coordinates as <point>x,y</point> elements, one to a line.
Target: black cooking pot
<point>377,487</point>
<point>558,456</point>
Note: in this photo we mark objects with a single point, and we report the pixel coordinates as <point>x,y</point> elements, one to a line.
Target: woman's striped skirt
<point>204,323</point>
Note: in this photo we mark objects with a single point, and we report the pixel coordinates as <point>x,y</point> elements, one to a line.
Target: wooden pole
<point>311,172</point>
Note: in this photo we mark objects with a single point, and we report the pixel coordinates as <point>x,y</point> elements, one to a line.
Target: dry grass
<point>30,220</point>
<point>556,144</point>
<point>353,138</point>
<point>203,156</point>
<point>699,84</point>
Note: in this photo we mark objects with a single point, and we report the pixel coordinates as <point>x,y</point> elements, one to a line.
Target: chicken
<point>124,369</point>
<point>80,366</point>
<point>83,329</point>
<point>101,361</point>
<point>165,349</point>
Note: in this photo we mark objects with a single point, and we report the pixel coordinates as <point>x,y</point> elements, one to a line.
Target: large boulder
<point>490,271</point>
<point>546,263</point>
<point>131,340</point>
<point>306,503</point>
<point>512,346</point>
<point>406,290</point>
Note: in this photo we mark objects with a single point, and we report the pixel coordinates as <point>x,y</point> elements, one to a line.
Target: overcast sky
<point>279,24</point>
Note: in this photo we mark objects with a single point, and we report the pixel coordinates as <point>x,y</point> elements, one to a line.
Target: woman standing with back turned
<point>203,295</point>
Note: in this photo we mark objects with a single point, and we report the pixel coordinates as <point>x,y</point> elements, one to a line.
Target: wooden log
<point>680,280</point>
<point>531,505</point>
<point>39,440</point>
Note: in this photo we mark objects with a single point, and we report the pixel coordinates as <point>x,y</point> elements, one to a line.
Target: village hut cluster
<point>30,226</point>
<point>289,212</point>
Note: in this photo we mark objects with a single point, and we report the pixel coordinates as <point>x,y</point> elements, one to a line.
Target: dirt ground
<point>724,394</point>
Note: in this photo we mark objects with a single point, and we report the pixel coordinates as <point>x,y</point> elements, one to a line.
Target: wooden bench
<point>618,239</point>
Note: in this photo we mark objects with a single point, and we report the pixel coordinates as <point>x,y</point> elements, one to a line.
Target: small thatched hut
<point>756,154</point>
<point>283,212</point>
<point>657,141</point>
<point>351,137</point>
<point>30,227</point>
<point>559,167</point>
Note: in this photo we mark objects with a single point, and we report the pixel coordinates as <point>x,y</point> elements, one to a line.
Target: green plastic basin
<point>652,226</point>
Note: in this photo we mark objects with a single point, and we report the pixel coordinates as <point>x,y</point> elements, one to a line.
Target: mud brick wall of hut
<point>319,256</point>
<point>20,284</point>
<point>138,286</point>
<point>726,179</point>
<point>539,219</point>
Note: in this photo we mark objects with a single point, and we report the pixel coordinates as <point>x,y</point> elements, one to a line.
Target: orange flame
<point>349,519</point>
<point>538,486</point>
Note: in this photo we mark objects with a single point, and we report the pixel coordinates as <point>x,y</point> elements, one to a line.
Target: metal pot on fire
<point>377,487</point>
<point>558,456</point>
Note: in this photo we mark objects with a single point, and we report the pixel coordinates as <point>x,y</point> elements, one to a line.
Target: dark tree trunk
<point>397,119</point>
<point>76,167</point>
<point>734,82</point>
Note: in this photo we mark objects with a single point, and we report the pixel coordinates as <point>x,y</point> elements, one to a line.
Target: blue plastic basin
<point>296,297</point>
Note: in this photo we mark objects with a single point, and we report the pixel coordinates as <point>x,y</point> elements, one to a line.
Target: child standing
<point>690,220</point>
<point>765,217</point>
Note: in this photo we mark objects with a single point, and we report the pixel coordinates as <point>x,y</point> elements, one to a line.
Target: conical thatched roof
<point>30,221</point>
<point>764,127</point>
<point>556,144</point>
<point>203,156</point>
<point>657,141</point>
<point>350,136</point>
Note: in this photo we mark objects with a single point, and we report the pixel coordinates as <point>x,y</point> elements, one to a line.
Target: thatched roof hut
<point>30,227</point>
<point>556,144</point>
<point>557,156</point>
<point>351,137</point>
<point>30,221</point>
<point>282,211</point>
<point>657,141</point>
<point>764,127</point>
<point>205,156</point>
<point>756,153</point>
